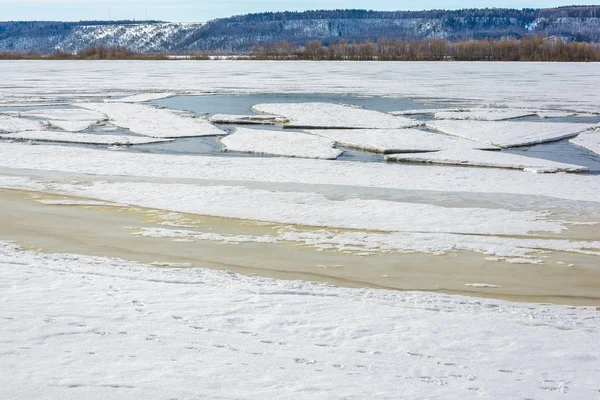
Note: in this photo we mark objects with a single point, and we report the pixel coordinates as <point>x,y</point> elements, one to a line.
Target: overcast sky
<point>204,10</point>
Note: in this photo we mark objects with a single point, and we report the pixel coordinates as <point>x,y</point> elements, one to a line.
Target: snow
<point>509,134</point>
<point>12,124</point>
<point>244,119</point>
<point>590,141</point>
<point>388,141</point>
<point>279,143</point>
<point>327,115</point>
<point>90,327</point>
<point>154,122</point>
<point>298,171</point>
<point>63,137</point>
<point>491,159</point>
<point>555,114</point>
<point>425,111</point>
<point>486,114</point>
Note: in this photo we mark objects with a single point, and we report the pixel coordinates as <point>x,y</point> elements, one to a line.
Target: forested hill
<point>238,34</point>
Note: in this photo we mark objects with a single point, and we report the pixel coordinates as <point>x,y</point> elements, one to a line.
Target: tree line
<point>534,48</point>
<point>89,53</point>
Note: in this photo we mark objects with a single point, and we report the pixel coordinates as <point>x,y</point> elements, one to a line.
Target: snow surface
<point>590,141</point>
<point>509,134</point>
<point>279,143</point>
<point>298,171</point>
<point>83,138</point>
<point>142,97</point>
<point>491,159</point>
<point>154,122</point>
<point>486,114</point>
<point>388,141</point>
<point>327,115</point>
<point>244,119</point>
<point>13,124</point>
<point>90,327</point>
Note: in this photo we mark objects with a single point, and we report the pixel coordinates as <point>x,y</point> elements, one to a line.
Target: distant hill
<point>238,34</point>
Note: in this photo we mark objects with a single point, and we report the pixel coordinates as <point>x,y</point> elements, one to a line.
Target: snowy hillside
<point>239,33</point>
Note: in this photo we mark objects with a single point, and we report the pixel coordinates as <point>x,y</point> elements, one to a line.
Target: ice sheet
<point>485,114</point>
<point>327,115</point>
<point>154,122</point>
<point>298,171</point>
<point>10,124</point>
<point>103,328</point>
<point>388,141</point>
<point>63,137</point>
<point>589,140</point>
<point>64,114</point>
<point>491,159</point>
<point>509,133</point>
<point>279,143</point>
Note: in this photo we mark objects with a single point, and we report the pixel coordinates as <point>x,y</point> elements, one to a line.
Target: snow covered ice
<point>244,119</point>
<point>490,159</point>
<point>590,141</point>
<point>509,134</point>
<point>13,124</point>
<point>154,122</point>
<point>327,115</point>
<point>278,143</point>
<point>388,141</point>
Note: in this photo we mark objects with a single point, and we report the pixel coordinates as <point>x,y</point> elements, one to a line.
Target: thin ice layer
<point>327,115</point>
<point>388,141</point>
<point>588,140</point>
<point>491,159</point>
<point>509,133</point>
<point>14,124</point>
<point>279,143</point>
<point>485,114</point>
<point>82,138</point>
<point>154,122</point>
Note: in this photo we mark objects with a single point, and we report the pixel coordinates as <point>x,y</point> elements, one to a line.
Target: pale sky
<point>204,10</point>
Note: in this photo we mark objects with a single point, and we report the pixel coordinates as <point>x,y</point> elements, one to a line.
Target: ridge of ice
<point>141,98</point>
<point>485,114</point>
<point>82,138</point>
<point>252,119</point>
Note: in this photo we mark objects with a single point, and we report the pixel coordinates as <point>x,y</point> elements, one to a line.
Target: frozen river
<point>299,228</point>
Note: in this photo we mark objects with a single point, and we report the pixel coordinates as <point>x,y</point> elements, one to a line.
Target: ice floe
<point>485,114</point>
<point>64,114</point>
<point>280,143</point>
<point>299,171</point>
<point>327,115</point>
<point>491,159</point>
<point>244,119</point>
<point>509,133</point>
<point>388,141</point>
<point>82,138</point>
<point>150,121</point>
<point>10,124</point>
<point>589,140</point>
<point>110,327</point>
<point>141,98</point>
